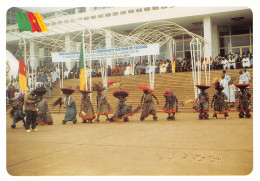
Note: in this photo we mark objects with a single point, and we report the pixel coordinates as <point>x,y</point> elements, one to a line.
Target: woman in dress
<point>43,113</point>
<point>86,108</point>
<point>147,103</point>
<point>122,111</point>
<point>69,105</point>
<point>103,106</point>
<point>171,104</point>
<point>202,102</point>
<point>219,100</point>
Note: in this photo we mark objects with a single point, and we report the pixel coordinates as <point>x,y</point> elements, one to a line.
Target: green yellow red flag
<point>22,72</point>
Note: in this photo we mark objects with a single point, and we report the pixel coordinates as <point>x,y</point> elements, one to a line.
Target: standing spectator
<point>247,77</point>
<point>11,91</point>
<point>47,85</point>
<point>30,110</point>
<point>232,90</point>
<point>224,84</point>
<point>109,71</point>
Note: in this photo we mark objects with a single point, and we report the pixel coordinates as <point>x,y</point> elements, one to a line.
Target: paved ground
<point>187,146</point>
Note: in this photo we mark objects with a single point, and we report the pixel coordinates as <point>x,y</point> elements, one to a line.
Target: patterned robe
<point>245,103</point>
<point>103,107</point>
<point>220,105</point>
<point>170,104</point>
<point>43,113</point>
<point>203,103</point>
<point>148,105</point>
<point>87,110</point>
<point>71,111</point>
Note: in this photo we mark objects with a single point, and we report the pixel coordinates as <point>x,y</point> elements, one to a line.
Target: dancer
<point>244,100</point>
<point>103,107</point>
<point>202,102</point>
<point>171,104</point>
<point>17,111</point>
<point>219,100</point>
<point>147,103</point>
<point>86,108</point>
<point>122,111</point>
<point>70,106</point>
<point>43,113</point>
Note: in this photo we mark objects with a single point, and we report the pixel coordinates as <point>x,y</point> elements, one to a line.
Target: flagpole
<point>90,63</point>
<point>25,60</point>
<point>84,60</point>
<point>62,73</point>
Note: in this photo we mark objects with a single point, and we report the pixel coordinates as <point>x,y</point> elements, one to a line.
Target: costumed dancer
<point>122,111</point>
<point>86,108</point>
<point>147,103</point>
<point>219,100</point>
<point>17,110</point>
<point>70,106</point>
<point>202,102</point>
<point>103,107</point>
<point>171,104</point>
<point>43,113</point>
<point>244,100</point>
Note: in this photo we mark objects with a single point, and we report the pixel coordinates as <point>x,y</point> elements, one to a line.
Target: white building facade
<point>225,30</point>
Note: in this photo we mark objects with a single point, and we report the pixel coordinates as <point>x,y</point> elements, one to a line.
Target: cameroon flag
<point>82,69</point>
<point>173,64</point>
<point>22,73</point>
<point>30,22</point>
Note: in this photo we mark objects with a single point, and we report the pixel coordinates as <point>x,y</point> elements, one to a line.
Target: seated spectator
<point>246,62</point>
<point>127,70</point>
<point>163,67</point>
<point>224,63</point>
<point>238,60</point>
<point>231,62</point>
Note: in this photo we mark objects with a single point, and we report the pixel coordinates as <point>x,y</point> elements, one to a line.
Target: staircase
<point>181,83</point>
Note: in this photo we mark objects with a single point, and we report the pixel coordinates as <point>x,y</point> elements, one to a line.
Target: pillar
<point>210,37</point>
<point>109,44</point>
<point>68,63</point>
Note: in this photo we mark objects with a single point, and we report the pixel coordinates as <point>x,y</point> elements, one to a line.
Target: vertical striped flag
<point>173,64</point>
<point>22,72</point>
<point>82,69</point>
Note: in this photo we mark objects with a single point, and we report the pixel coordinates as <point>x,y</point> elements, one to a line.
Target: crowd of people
<point>42,80</point>
<point>37,112</point>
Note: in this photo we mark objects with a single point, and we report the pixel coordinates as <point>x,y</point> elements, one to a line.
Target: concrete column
<point>109,44</point>
<point>210,37</point>
<point>69,63</point>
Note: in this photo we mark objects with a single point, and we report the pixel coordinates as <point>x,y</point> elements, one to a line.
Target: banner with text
<point>134,51</point>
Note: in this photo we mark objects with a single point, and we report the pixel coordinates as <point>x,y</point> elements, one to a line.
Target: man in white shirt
<point>224,63</point>
<point>246,75</point>
<point>224,83</point>
<point>246,62</point>
<point>232,62</point>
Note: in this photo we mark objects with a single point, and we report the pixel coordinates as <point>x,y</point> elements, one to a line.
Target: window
<point>224,42</point>
<point>240,40</point>
<point>239,29</point>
